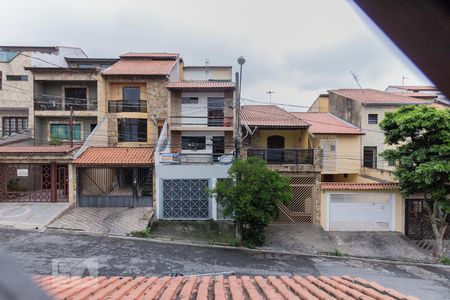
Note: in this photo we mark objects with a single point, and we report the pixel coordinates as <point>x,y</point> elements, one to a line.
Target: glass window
<point>105,66</point>
<point>7,56</point>
<point>131,99</point>
<point>373,118</point>
<point>75,97</point>
<point>370,157</point>
<point>14,124</point>
<point>193,142</point>
<point>85,66</point>
<point>62,131</point>
<point>132,130</point>
<point>189,100</point>
<point>17,77</point>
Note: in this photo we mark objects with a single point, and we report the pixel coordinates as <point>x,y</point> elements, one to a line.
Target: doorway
<point>275,149</point>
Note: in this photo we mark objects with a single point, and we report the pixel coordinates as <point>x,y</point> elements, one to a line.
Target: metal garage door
<point>185,199</point>
<point>361,212</point>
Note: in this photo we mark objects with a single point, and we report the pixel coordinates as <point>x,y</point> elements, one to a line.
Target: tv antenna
<point>356,79</point>
<point>206,67</point>
<point>270,95</point>
<point>404,79</point>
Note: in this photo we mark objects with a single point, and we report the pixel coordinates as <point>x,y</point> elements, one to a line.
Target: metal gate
<point>33,183</point>
<point>301,208</point>
<point>417,221</point>
<point>185,199</point>
<point>114,187</point>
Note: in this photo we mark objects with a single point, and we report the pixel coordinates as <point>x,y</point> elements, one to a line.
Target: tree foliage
<point>251,195</point>
<point>420,136</point>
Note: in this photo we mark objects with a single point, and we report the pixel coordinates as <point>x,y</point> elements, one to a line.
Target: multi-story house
<point>115,165</point>
<point>196,144</point>
<point>426,92</point>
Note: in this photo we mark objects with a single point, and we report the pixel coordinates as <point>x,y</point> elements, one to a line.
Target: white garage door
<point>361,212</point>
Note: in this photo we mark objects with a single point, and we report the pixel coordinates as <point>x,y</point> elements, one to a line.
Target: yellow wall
<point>320,104</point>
<point>295,138</point>
<point>399,208</point>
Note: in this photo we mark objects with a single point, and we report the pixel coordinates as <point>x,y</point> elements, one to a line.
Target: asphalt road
<point>62,253</point>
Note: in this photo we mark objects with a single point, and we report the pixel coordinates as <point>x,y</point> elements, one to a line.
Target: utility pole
<point>71,127</point>
<point>270,95</point>
<point>241,61</point>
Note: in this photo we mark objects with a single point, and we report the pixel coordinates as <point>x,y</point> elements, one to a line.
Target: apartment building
<point>195,148</point>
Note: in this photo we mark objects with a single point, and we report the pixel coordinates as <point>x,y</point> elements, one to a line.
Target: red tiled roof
<point>270,116</point>
<point>219,287</point>
<point>141,67</point>
<point>416,87</point>
<point>199,84</point>
<point>417,95</point>
<point>37,149</point>
<point>116,156</point>
<point>375,97</point>
<point>353,186</point>
<point>326,123</point>
<point>152,55</point>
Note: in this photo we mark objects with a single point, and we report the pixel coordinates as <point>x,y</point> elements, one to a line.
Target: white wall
<point>197,110</point>
<point>208,137</point>
<point>57,58</point>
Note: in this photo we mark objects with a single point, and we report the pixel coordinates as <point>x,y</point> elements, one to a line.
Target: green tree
<point>420,136</point>
<point>251,195</point>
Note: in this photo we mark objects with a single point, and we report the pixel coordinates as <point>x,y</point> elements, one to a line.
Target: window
<point>1,78</point>
<point>216,111</point>
<point>85,66</point>
<point>62,131</point>
<point>75,97</point>
<point>93,126</point>
<point>17,77</point>
<point>131,99</point>
<point>189,100</point>
<point>105,66</point>
<point>370,157</point>
<point>373,118</point>
<point>132,130</point>
<point>7,56</point>
<point>14,124</point>
<point>193,142</point>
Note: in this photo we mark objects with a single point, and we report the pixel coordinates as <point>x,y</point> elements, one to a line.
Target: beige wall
<point>320,104</point>
<point>294,138</point>
<point>399,208</point>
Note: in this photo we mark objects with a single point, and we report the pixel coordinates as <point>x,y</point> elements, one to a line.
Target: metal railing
<point>201,121</point>
<point>194,158</point>
<point>58,103</point>
<point>118,106</point>
<point>283,156</point>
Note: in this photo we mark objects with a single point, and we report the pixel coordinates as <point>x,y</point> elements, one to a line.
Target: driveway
<point>310,238</point>
<point>30,215</point>
<point>105,220</point>
<point>52,252</point>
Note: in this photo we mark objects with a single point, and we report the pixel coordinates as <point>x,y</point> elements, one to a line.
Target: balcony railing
<point>192,121</point>
<point>118,106</point>
<point>194,158</point>
<point>64,104</point>
<point>283,156</point>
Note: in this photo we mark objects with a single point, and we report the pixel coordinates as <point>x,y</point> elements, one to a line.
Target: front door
<point>218,146</point>
<point>275,152</point>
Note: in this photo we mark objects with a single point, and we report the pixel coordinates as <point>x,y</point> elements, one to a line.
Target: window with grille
<point>17,77</point>
<point>373,118</point>
<point>193,142</point>
<point>62,131</point>
<point>189,100</point>
<point>132,130</point>
<point>14,124</point>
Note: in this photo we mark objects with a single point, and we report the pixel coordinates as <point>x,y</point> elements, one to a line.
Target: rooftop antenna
<point>356,79</point>
<point>206,67</point>
<point>270,95</point>
<point>404,79</point>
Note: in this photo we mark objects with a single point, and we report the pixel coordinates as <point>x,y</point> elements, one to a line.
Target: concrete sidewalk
<point>312,239</point>
<point>105,220</point>
<point>30,215</point>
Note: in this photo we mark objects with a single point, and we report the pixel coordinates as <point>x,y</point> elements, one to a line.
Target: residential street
<point>40,253</point>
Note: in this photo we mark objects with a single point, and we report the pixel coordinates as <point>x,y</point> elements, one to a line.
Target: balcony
<point>118,106</point>
<point>194,158</point>
<point>283,156</point>
<point>200,121</point>
<point>64,104</point>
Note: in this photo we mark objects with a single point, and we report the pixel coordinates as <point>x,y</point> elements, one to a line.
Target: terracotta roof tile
<point>375,97</point>
<point>37,149</point>
<point>152,55</point>
<point>326,123</point>
<point>219,287</point>
<point>417,95</point>
<point>141,67</point>
<point>200,84</point>
<point>270,116</point>
<point>351,186</point>
<point>416,87</point>
<point>116,156</point>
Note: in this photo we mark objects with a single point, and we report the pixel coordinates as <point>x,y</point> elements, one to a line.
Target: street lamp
<point>241,61</point>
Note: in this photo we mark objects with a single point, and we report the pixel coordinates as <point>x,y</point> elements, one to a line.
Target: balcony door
<point>131,99</point>
<point>370,157</point>
<point>215,111</point>
<point>275,146</point>
<point>75,97</point>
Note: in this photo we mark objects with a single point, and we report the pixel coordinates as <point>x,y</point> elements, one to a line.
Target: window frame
<point>189,100</point>
<point>16,77</point>
<point>75,126</point>
<point>200,144</point>
<point>371,121</point>
<point>126,135</point>
<point>16,123</point>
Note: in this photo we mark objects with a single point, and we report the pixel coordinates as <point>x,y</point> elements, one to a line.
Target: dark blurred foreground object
<point>421,29</point>
<point>15,284</point>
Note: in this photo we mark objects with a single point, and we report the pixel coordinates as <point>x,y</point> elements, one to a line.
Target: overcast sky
<point>298,49</point>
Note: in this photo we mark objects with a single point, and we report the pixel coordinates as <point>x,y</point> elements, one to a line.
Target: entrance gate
<point>417,222</point>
